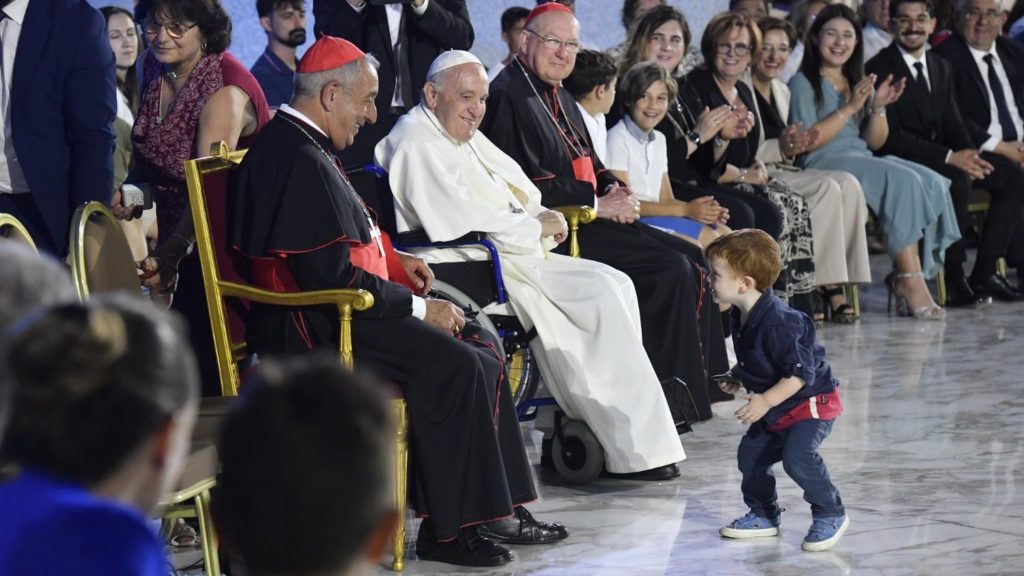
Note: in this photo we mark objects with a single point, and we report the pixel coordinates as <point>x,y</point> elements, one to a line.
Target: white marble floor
<point>928,457</point>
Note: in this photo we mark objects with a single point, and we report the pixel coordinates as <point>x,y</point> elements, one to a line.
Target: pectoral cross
<point>376,236</point>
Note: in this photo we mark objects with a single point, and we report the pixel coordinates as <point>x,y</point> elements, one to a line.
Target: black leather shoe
<point>998,288</point>
<point>960,295</point>
<point>523,528</point>
<point>659,474</point>
<point>467,549</point>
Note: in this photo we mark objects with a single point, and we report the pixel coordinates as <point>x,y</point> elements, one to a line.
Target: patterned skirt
<point>796,281</point>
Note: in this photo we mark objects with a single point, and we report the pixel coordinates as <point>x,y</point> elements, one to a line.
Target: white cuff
<point>419,10</point>
<point>949,154</point>
<point>419,307</point>
<point>990,144</point>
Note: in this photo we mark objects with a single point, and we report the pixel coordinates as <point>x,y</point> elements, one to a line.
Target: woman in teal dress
<point>831,94</point>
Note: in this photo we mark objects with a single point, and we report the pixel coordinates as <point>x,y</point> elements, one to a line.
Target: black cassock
<point>293,208</point>
<point>682,328</point>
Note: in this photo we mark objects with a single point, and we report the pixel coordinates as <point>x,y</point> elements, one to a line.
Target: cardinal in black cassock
<point>303,227</point>
<point>536,122</point>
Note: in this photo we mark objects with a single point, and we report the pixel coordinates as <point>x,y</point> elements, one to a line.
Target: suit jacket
<point>63,103</point>
<point>444,26</point>
<point>924,126</point>
<point>969,85</point>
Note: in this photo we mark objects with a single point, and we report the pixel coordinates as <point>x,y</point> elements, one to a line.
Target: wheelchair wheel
<point>576,453</point>
<point>520,365</point>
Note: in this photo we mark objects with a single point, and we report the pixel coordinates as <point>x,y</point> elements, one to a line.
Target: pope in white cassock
<point>449,180</point>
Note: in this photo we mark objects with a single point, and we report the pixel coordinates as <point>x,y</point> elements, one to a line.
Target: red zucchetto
<point>544,9</point>
<point>328,53</point>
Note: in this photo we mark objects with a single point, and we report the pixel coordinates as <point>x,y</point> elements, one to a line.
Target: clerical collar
<point>300,116</point>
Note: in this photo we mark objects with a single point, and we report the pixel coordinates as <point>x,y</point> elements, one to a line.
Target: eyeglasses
<point>675,42</point>
<point>554,44</point>
<point>736,49</point>
<point>174,29</point>
<point>769,49</point>
<point>906,21</point>
<point>990,15</point>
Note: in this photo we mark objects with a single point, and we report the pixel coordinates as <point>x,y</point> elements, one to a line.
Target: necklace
<point>577,150</point>
<point>173,77</point>
<point>375,233</point>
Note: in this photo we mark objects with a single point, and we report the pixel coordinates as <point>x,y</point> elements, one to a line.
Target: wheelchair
<point>478,288</point>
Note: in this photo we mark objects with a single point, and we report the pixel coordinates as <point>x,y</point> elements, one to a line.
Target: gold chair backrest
<point>101,259</point>
<point>12,229</point>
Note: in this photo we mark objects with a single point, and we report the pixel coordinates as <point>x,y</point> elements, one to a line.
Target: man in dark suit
<point>989,88</point>
<point>58,102</point>
<point>925,126</point>
<point>405,37</point>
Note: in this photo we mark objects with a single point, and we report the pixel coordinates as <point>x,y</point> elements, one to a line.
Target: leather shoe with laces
<point>467,549</point>
<point>523,528</point>
<point>659,474</point>
<point>960,295</point>
<point>997,287</point>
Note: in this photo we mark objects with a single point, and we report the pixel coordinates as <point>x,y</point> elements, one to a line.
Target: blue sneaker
<point>824,533</point>
<point>751,526</point>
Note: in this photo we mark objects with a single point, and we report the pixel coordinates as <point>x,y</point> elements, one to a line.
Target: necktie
<point>1009,131</point>
<point>921,79</point>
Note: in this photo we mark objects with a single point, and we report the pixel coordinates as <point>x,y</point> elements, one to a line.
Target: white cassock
<point>588,341</point>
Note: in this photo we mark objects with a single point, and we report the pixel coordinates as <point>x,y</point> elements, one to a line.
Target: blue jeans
<point>797,448</point>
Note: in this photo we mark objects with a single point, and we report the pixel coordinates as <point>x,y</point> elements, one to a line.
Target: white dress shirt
<point>394,12</point>
<point>12,179</point>
<point>911,61</point>
<point>598,131</point>
<point>995,129</point>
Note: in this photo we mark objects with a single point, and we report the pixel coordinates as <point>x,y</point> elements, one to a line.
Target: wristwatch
<point>693,136</point>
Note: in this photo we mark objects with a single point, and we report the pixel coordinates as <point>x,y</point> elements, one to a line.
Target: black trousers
<point>1006,185</point>
<point>746,210</point>
<point>467,460</point>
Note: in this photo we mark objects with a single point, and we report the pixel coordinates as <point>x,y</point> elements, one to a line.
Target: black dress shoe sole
<point>463,559</point>
<point>660,474</point>
<point>518,541</point>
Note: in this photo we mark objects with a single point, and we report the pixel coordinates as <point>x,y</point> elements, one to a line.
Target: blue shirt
<point>49,527</point>
<point>275,78</point>
<point>778,342</point>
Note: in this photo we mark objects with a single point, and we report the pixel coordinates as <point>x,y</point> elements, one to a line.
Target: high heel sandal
<point>929,312</point>
<point>842,314</point>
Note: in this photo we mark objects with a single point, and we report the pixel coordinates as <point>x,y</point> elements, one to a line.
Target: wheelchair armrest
<point>419,238</point>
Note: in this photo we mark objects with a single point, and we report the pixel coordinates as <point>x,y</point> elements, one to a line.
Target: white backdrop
<point>599,22</point>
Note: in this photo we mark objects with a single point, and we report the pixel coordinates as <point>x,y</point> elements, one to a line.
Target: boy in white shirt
<point>592,85</point>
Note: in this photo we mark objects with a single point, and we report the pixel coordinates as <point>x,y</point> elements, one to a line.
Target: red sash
<point>583,168</point>
<point>820,407</point>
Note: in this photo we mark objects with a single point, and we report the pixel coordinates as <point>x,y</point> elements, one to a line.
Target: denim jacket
<point>775,343</point>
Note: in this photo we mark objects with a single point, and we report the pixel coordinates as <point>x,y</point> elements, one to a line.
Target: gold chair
<point>12,229</point>
<point>208,186</point>
<point>574,217</point>
<point>978,202</point>
<point>101,260</point>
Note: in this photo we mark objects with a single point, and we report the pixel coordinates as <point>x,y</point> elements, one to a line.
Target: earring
<point>204,45</point>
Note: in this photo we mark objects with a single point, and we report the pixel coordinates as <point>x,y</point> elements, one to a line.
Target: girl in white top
<point>638,155</point>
